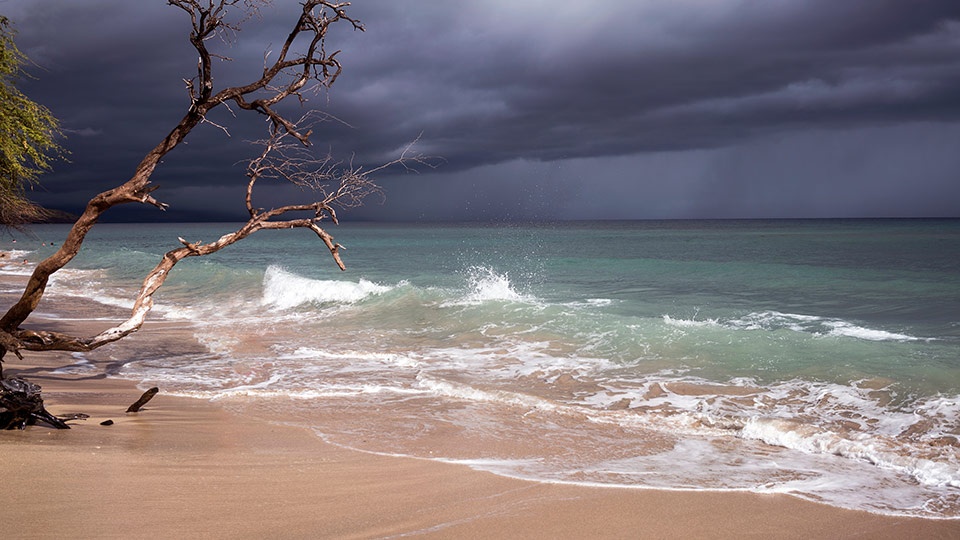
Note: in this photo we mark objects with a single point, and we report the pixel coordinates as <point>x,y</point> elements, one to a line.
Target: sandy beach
<point>187,468</point>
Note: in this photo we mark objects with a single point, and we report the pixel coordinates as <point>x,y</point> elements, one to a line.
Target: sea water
<point>815,358</point>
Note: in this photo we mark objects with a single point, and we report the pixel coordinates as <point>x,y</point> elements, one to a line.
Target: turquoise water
<point>818,358</point>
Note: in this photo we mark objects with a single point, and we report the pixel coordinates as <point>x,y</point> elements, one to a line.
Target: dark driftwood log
<point>22,406</point>
<point>147,396</point>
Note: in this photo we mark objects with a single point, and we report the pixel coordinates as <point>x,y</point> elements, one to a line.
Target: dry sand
<point>186,468</point>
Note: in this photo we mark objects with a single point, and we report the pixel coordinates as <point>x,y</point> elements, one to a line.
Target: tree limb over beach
<point>302,65</point>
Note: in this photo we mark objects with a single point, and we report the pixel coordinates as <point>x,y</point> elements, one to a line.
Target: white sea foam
<point>473,394</point>
<point>384,359</point>
<point>89,284</point>
<point>689,323</point>
<point>846,329</point>
<point>812,324</point>
<point>873,450</point>
<point>766,320</point>
<point>255,392</point>
<point>284,290</point>
<point>248,388</point>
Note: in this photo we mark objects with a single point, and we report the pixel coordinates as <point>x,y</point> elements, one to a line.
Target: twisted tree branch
<point>208,19</point>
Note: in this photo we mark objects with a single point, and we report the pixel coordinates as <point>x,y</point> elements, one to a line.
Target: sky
<point>536,110</point>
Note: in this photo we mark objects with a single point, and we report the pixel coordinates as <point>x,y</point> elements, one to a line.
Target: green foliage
<point>28,137</point>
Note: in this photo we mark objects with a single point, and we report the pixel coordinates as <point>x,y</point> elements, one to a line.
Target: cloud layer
<point>546,110</point>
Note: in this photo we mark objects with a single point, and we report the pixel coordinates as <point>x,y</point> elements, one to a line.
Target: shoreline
<point>190,468</point>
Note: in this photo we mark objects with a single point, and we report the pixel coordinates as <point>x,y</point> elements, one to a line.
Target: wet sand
<point>190,469</point>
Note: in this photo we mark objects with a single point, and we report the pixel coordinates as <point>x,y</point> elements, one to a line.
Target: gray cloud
<point>676,104</point>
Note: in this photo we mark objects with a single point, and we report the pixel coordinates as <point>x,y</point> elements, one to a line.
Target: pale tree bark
<point>284,157</point>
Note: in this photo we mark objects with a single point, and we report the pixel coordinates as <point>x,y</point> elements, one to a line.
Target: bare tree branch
<point>288,75</point>
<point>332,184</point>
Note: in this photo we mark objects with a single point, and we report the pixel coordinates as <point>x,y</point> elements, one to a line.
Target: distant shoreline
<point>346,222</point>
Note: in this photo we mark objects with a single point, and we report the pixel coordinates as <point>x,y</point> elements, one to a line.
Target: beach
<point>188,468</point>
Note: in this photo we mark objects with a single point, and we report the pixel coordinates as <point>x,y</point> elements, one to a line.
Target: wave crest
<point>810,324</point>
<point>284,290</point>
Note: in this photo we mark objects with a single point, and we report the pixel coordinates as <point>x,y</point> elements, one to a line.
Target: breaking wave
<point>810,324</point>
<point>284,290</point>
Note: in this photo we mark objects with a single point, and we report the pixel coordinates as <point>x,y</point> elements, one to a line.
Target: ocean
<point>818,358</point>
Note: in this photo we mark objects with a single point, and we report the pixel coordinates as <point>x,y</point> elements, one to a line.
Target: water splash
<point>486,285</point>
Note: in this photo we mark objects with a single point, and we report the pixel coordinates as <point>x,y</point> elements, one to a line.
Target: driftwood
<point>22,406</point>
<point>147,396</point>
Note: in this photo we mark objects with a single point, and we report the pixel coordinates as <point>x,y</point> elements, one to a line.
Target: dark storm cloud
<point>534,104</point>
<point>549,82</point>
